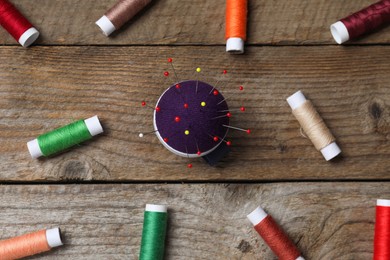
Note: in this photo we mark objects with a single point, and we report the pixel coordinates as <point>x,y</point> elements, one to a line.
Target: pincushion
<point>190,118</point>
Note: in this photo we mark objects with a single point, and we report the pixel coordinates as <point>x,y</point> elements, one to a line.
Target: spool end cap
<point>330,151</point>
<point>339,32</point>
<point>28,37</point>
<point>93,125</point>
<point>156,208</point>
<point>296,99</point>
<point>53,237</point>
<point>235,45</point>
<point>34,149</point>
<point>105,25</point>
<point>256,216</point>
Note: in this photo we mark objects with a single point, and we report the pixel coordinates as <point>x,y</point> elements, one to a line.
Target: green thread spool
<point>153,232</point>
<point>64,137</point>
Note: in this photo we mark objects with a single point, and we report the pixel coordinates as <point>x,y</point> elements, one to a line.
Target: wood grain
<point>47,87</point>
<point>198,22</point>
<point>325,220</point>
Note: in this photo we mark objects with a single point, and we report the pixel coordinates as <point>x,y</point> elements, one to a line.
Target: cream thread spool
<point>313,125</point>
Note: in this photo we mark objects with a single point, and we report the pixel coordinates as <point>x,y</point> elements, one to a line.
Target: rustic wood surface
<point>46,87</point>
<point>96,192</point>
<point>198,22</point>
<point>325,220</point>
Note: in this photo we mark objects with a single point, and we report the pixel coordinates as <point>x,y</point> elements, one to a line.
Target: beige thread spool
<point>313,125</point>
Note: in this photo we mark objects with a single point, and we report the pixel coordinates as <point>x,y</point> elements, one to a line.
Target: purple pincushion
<point>190,117</point>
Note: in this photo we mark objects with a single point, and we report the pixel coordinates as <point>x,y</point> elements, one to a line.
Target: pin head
<point>242,109</point>
<point>143,103</point>
<point>166,73</point>
<point>215,92</point>
<point>177,86</point>
<point>177,119</point>
<point>224,71</point>
<point>170,60</point>
<point>198,70</point>
<point>203,104</point>
<point>189,165</point>
<point>158,109</point>
<point>241,88</point>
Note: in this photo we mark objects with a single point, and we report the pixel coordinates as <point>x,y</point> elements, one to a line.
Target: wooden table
<point>96,192</point>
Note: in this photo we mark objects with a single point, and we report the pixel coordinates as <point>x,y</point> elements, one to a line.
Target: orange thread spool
<point>30,244</point>
<point>236,17</point>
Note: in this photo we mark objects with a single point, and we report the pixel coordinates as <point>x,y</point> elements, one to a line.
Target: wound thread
<point>30,244</point>
<point>274,236</point>
<point>16,24</point>
<point>362,22</point>
<point>313,125</point>
<point>382,231</point>
<point>64,137</point>
<point>119,14</point>
<point>153,232</point>
<point>235,30</point>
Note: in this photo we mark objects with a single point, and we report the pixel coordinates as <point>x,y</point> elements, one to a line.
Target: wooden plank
<point>325,220</point>
<point>198,22</point>
<point>48,87</point>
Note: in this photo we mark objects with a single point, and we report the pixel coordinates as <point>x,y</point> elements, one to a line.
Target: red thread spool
<point>274,236</point>
<point>16,24</point>
<point>235,31</point>
<point>382,230</point>
<point>361,22</point>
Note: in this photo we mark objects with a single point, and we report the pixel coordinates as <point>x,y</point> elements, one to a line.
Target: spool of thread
<point>313,125</point>
<point>382,230</point>
<point>65,137</point>
<point>235,31</point>
<point>119,14</point>
<point>361,22</point>
<point>30,244</point>
<point>153,232</point>
<point>16,24</point>
<point>274,236</point>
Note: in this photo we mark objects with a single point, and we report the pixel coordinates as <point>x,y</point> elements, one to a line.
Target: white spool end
<point>28,37</point>
<point>34,149</point>
<point>235,45</point>
<point>156,208</point>
<point>53,237</point>
<point>105,25</point>
<point>296,100</point>
<point>339,32</point>
<point>330,151</point>
<point>383,203</point>
<point>300,258</point>
<point>93,125</point>
<point>256,216</point>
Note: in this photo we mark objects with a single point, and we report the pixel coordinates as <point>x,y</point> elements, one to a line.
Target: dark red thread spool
<point>382,230</point>
<point>274,236</point>
<point>16,24</point>
<point>361,22</point>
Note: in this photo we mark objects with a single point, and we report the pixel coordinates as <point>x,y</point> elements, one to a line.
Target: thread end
<point>105,25</point>
<point>53,237</point>
<point>256,216</point>
<point>235,45</point>
<point>28,37</point>
<point>330,151</point>
<point>34,149</point>
<point>339,32</point>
